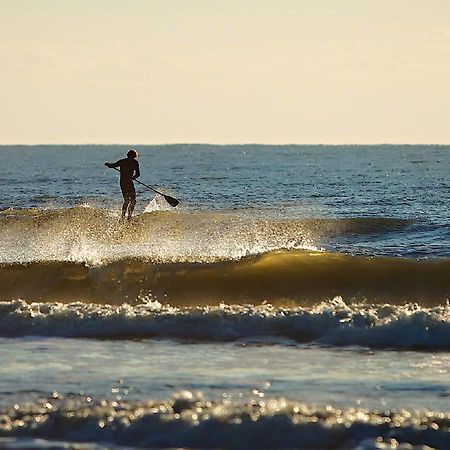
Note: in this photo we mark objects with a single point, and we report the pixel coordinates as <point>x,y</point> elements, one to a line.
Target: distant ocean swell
<point>282,277</point>
<point>188,421</point>
<point>333,323</point>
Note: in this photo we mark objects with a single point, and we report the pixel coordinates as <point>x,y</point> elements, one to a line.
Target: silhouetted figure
<point>129,171</point>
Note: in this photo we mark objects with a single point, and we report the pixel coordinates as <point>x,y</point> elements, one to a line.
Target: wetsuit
<point>129,170</point>
<point>129,167</point>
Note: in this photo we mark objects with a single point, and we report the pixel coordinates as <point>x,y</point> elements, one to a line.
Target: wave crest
<point>301,277</point>
<point>331,323</point>
<point>94,236</point>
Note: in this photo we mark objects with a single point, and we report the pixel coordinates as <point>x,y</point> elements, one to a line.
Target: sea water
<point>297,298</point>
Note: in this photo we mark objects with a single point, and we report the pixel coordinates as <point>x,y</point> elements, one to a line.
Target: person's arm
<point>137,172</point>
<point>113,165</point>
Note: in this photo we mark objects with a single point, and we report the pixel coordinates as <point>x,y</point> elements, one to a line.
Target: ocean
<point>297,298</point>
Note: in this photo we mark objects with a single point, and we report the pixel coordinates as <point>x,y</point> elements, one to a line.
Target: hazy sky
<point>224,71</point>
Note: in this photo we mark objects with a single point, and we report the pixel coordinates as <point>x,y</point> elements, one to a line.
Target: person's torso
<point>127,168</point>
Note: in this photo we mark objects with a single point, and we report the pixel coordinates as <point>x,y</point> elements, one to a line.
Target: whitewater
<point>297,298</point>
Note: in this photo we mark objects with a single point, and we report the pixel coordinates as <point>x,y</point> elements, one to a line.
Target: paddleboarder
<point>129,171</point>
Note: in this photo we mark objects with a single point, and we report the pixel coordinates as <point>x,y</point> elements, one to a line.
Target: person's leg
<point>132,201</point>
<point>129,199</point>
<point>131,206</point>
<point>126,203</point>
<point>125,188</point>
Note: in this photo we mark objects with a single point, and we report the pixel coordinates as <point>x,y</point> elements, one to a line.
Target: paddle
<point>170,200</point>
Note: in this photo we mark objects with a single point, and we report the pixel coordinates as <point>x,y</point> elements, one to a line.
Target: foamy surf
<point>187,420</point>
<point>332,324</point>
<point>93,235</point>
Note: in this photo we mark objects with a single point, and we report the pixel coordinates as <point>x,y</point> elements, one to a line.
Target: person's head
<point>132,154</point>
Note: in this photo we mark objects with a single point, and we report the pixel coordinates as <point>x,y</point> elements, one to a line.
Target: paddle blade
<point>171,201</point>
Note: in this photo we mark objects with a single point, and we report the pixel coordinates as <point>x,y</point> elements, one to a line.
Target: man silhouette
<point>129,171</point>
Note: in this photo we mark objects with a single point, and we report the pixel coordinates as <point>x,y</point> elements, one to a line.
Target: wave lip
<point>331,323</point>
<point>188,420</point>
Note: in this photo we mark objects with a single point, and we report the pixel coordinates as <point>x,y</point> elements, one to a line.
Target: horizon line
<point>222,144</point>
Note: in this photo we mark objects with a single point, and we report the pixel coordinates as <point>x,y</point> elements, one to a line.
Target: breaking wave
<point>93,236</point>
<point>187,420</point>
<point>283,276</point>
<point>333,323</point>
<point>196,258</point>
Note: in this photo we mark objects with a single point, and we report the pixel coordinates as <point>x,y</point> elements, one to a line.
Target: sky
<point>224,71</point>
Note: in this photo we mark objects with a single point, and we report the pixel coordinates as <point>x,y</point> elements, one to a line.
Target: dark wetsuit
<point>129,168</point>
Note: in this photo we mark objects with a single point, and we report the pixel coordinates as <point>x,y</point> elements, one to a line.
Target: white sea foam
<point>331,323</point>
<point>157,203</point>
<point>188,420</point>
<point>90,235</point>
